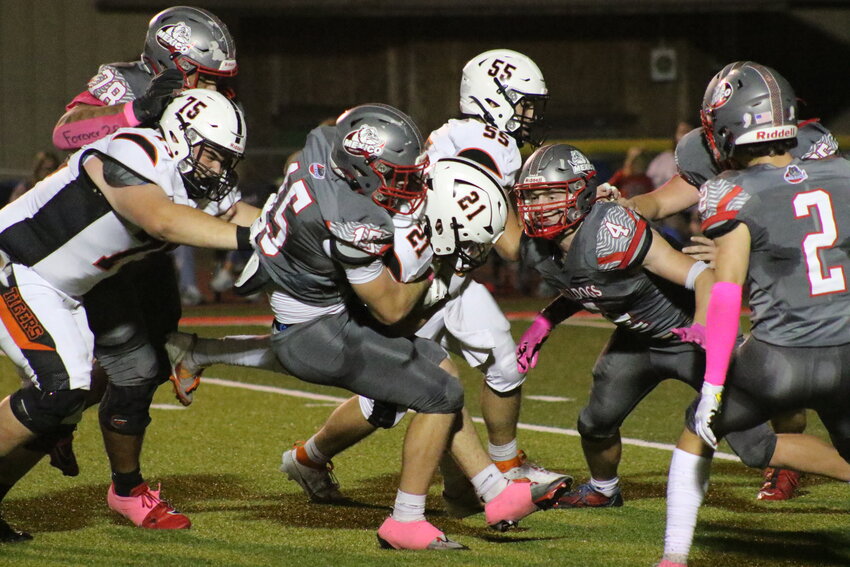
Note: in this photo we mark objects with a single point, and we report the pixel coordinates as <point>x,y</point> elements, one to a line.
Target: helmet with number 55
<point>506,89</point>
<point>205,132</point>
<point>466,211</point>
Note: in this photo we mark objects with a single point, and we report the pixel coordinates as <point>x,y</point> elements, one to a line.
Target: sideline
<point>525,426</point>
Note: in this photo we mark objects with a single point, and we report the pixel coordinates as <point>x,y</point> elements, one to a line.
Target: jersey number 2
<point>818,203</point>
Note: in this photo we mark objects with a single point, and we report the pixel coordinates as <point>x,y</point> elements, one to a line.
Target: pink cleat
<point>414,535</point>
<point>144,508</point>
<point>668,563</point>
<point>519,500</point>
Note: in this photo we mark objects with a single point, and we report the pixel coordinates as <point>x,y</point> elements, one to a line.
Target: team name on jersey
<point>584,292</point>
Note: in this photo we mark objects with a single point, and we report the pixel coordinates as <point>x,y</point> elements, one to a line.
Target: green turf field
<point>217,461</point>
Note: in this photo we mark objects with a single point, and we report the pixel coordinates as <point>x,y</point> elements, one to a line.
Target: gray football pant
<point>336,350</point>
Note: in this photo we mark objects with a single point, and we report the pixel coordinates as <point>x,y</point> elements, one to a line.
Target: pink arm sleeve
<point>74,135</point>
<point>724,312</point>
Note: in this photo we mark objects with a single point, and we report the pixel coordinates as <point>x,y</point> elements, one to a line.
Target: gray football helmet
<point>190,39</point>
<point>378,150</point>
<point>555,190</point>
<point>750,104</point>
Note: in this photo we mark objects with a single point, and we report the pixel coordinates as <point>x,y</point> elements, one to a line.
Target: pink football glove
<point>693,334</point>
<point>529,345</point>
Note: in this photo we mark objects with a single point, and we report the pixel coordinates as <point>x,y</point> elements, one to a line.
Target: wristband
<point>130,115</point>
<point>243,238</point>
<point>695,271</point>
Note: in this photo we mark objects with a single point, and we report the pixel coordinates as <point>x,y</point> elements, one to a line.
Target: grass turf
<point>217,461</point>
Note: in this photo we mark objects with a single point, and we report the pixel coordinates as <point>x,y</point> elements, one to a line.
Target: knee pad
<point>451,400</point>
<point>502,375</point>
<point>754,446</point>
<point>589,429</point>
<point>124,409</point>
<point>381,414</point>
<point>132,363</point>
<point>47,412</point>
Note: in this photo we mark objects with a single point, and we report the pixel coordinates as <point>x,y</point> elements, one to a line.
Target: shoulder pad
<point>622,239</point>
<point>693,159</point>
<point>138,151</point>
<point>720,200</point>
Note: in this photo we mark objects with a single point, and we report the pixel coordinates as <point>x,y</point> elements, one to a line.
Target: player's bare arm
<point>241,213</point>
<point>674,196</point>
<point>149,208</point>
<point>508,245</point>
<point>667,262</point>
<point>389,300</point>
<point>733,255</point>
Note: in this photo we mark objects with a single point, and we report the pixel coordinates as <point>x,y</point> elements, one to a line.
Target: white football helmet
<point>506,89</point>
<point>198,120</point>
<point>466,211</point>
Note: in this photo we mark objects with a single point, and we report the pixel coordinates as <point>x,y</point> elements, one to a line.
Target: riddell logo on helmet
<point>175,37</point>
<point>364,141</point>
<point>777,133</point>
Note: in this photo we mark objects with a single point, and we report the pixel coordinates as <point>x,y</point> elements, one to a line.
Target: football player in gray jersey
<point>321,247</point>
<point>776,221</point>
<point>604,258</point>
<point>696,165</point>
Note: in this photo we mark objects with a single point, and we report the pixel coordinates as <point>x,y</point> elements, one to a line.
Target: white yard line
<point>525,426</point>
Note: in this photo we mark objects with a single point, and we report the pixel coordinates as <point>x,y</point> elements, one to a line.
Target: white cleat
<point>185,376</point>
<point>319,484</point>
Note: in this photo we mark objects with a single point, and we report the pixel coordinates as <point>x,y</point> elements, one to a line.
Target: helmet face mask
<point>505,89</point>
<point>192,40</point>
<point>466,212</point>
<point>378,150</point>
<point>556,189</point>
<point>201,128</point>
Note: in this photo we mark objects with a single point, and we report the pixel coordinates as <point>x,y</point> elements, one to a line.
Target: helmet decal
<point>721,95</point>
<point>364,141</point>
<point>579,162</point>
<point>175,37</point>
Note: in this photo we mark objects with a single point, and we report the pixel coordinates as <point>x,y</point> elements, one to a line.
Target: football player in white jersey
<point>126,195</point>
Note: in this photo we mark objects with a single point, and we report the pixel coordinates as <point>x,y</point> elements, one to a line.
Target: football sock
<point>252,351</point>
<point>126,482</point>
<point>503,452</point>
<point>489,483</point>
<point>607,487</point>
<point>409,507</point>
<point>686,486</point>
<point>312,453</point>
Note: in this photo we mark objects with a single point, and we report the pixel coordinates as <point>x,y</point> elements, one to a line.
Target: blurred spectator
<point>44,164</point>
<point>184,262</point>
<point>631,179</point>
<point>663,166</point>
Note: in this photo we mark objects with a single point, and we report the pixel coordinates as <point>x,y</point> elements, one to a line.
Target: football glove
<point>148,107</point>
<point>711,397</point>
<point>532,340</point>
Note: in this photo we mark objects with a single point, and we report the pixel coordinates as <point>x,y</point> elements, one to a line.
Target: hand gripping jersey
<point>317,226</point>
<point>696,166</point>
<point>65,229</point>
<point>799,225</point>
<point>603,272</point>
<point>480,142</point>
